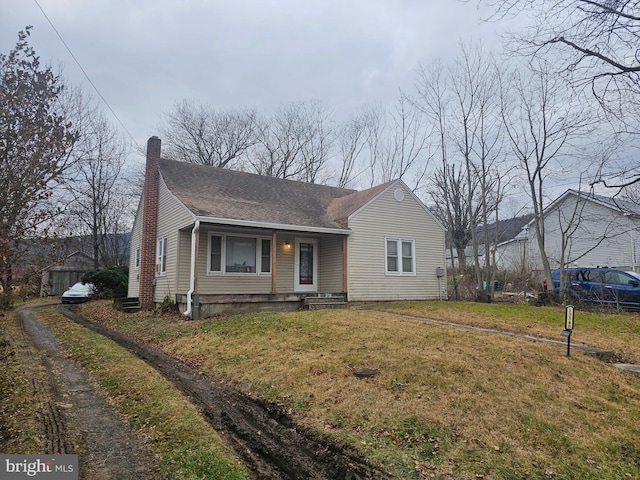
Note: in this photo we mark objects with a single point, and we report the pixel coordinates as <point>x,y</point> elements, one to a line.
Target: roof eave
<point>273,226</point>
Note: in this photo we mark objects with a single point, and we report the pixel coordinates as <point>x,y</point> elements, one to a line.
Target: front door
<point>306,265</point>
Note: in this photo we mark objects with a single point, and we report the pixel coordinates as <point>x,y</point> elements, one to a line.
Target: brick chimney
<point>149,225</point>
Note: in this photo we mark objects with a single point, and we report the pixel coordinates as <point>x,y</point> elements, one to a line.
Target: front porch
<point>246,269</point>
<point>208,305</point>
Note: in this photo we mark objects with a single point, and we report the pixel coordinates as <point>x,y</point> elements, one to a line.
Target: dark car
<point>603,286</point>
<point>78,293</point>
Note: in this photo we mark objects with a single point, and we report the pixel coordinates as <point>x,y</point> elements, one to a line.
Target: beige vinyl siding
<point>172,216</point>
<point>330,264</point>
<point>135,243</point>
<point>385,217</point>
<point>184,254</point>
<point>231,283</point>
<point>285,259</point>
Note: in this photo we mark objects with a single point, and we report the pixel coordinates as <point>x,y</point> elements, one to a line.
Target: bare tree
<point>468,187</point>
<point>350,139</point>
<point>599,41</point>
<point>475,79</point>
<point>548,130</point>
<point>316,152</point>
<point>447,189</point>
<point>449,196</point>
<point>95,188</point>
<point>376,140</point>
<point>118,221</point>
<point>295,142</point>
<point>395,142</point>
<point>278,152</point>
<point>410,141</point>
<point>596,44</point>
<point>197,133</point>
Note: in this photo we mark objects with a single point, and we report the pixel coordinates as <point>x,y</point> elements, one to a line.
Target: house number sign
<point>568,320</point>
<point>568,327</point>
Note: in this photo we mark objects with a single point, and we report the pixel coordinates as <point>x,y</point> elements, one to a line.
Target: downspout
<point>632,246</point>
<point>192,274</point>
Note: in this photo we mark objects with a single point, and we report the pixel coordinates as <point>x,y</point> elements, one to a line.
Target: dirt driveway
<point>76,415</point>
<point>80,420</point>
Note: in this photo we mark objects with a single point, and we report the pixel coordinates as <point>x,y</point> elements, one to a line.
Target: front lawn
<point>447,402</point>
<point>610,331</point>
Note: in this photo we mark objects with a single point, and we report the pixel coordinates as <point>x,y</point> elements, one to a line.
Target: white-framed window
<point>161,262</point>
<point>400,256</point>
<point>137,257</point>
<point>242,254</point>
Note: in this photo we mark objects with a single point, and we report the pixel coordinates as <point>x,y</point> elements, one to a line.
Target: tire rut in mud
<point>45,392</point>
<point>76,415</point>
<point>261,433</point>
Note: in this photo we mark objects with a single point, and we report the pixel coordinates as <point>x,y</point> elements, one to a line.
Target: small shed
<point>60,276</point>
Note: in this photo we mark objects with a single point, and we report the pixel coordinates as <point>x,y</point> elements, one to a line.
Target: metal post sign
<point>568,327</point>
<point>568,319</point>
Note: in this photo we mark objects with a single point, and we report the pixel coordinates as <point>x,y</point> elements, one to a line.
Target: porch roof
<point>240,198</point>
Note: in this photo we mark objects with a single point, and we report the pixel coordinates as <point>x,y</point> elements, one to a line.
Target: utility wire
<point>87,75</point>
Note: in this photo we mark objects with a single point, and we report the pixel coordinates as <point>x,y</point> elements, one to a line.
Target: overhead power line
<point>86,75</point>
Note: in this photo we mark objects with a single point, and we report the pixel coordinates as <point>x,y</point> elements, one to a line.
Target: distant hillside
<point>38,253</point>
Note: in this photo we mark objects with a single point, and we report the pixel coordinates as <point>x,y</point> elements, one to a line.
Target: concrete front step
<point>128,305</point>
<point>325,301</point>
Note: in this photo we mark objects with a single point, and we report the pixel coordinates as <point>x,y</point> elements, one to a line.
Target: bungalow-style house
<point>581,230</point>
<point>215,240</point>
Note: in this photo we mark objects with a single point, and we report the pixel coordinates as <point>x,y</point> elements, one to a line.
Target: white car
<point>80,292</point>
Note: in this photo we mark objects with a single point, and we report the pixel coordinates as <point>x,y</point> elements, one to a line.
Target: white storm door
<point>306,265</point>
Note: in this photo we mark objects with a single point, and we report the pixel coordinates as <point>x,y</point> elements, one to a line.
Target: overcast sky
<point>144,56</point>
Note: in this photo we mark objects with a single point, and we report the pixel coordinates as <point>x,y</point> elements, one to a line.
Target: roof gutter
<point>272,226</point>
<point>192,274</point>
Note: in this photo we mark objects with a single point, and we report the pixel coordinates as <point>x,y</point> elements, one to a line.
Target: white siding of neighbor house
<point>135,242</point>
<point>513,255</point>
<point>172,216</point>
<point>603,237</point>
<point>385,217</point>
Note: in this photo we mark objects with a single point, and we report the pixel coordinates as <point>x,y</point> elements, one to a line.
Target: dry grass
<point>606,330</point>
<point>184,444</point>
<point>21,429</point>
<point>447,403</point>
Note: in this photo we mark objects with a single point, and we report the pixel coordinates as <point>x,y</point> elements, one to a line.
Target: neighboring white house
<point>503,231</point>
<point>582,230</point>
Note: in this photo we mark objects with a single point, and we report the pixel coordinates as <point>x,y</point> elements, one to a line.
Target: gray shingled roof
<point>613,203</point>
<point>228,194</point>
<point>623,206</point>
